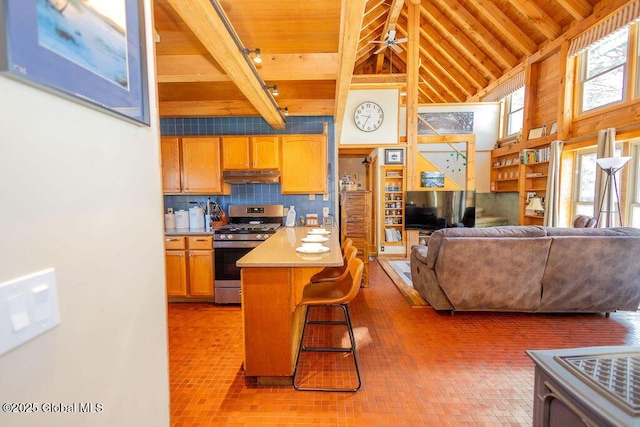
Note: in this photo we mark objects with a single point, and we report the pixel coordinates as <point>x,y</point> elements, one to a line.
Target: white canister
<point>182,219</point>
<point>196,218</point>
<point>169,220</point>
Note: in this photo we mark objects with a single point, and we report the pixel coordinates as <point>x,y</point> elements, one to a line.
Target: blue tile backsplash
<point>254,193</point>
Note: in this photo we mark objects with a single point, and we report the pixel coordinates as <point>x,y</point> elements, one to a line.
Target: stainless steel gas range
<point>249,225</point>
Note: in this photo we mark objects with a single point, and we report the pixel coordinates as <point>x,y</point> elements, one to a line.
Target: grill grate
<point>617,377</point>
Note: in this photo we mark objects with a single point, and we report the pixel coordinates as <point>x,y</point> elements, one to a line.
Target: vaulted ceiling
<point>313,50</point>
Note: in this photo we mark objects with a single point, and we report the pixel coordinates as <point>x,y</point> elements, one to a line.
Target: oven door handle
<point>235,244</point>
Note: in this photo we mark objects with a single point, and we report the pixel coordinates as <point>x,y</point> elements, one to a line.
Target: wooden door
<point>201,273</point>
<point>235,153</point>
<point>201,163</point>
<point>176,273</point>
<point>265,152</point>
<point>304,164</point>
<point>170,155</point>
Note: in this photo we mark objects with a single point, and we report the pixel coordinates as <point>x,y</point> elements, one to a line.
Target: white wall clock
<point>368,116</point>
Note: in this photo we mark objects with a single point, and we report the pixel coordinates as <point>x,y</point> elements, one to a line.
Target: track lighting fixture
<point>257,58</point>
<point>285,110</point>
<point>274,92</point>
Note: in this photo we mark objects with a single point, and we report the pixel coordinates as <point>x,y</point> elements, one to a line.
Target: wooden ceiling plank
<point>480,34</point>
<point>579,9</point>
<point>507,28</point>
<point>460,41</point>
<point>350,25</point>
<point>538,17</point>
<point>205,23</point>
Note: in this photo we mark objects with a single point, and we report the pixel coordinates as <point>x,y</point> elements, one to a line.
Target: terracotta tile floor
<point>420,369</point>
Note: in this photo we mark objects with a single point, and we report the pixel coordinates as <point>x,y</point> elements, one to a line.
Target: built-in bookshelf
<point>393,205</point>
<point>523,168</point>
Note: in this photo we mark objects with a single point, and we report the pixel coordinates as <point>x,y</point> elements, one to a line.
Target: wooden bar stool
<point>336,293</point>
<point>329,274</point>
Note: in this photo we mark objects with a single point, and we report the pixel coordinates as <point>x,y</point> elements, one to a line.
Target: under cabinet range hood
<point>251,177</point>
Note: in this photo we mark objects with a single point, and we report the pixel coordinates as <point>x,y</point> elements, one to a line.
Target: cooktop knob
<point>229,236</point>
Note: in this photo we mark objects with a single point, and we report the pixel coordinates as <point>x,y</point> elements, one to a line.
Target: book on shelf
<point>392,235</point>
<point>529,156</point>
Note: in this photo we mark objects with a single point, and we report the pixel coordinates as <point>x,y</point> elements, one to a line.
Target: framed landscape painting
<point>89,51</point>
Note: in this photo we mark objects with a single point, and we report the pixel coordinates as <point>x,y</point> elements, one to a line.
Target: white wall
<point>387,133</point>
<point>80,191</point>
<point>485,128</point>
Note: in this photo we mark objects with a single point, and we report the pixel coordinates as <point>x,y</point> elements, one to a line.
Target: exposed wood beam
<point>199,68</point>
<point>579,9</point>
<point>382,79</point>
<point>413,76</point>
<point>448,68</point>
<point>392,19</point>
<point>476,31</point>
<point>538,17</point>
<point>507,28</point>
<point>461,42</point>
<point>201,17</point>
<point>438,82</point>
<point>302,107</point>
<point>438,43</point>
<point>350,25</point>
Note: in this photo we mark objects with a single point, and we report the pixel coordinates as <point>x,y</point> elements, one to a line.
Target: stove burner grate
<point>616,377</point>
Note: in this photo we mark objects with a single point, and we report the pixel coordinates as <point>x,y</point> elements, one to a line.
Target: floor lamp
<point>611,165</point>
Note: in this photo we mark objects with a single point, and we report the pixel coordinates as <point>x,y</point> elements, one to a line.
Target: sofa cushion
<point>436,238</point>
<point>492,273</point>
<point>600,273</point>
<point>614,231</point>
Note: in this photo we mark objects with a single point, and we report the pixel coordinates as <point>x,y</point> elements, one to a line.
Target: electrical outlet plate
<point>28,308</point>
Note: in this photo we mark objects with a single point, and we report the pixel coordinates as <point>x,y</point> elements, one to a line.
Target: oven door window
<point>226,258</point>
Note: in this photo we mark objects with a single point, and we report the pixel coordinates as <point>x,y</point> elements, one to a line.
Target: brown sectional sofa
<point>529,268</point>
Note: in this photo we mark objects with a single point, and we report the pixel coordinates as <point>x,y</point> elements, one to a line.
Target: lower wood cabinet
<point>189,266</point>
<point>355,224</point>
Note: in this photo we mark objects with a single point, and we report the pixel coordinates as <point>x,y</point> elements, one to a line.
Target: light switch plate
<point>28,308</point>
<point>325,211</point>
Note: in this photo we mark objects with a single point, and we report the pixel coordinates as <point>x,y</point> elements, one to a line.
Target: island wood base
<point>272,320</point>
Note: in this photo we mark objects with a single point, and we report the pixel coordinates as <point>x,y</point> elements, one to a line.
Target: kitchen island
<point>273,277</point>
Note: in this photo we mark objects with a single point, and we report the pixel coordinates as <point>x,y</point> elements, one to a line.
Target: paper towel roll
<point>169,220</point>
<point>196,218</point>
<point>182,219</point>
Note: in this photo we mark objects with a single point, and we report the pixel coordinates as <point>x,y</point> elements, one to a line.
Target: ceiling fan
<point>390,41</point>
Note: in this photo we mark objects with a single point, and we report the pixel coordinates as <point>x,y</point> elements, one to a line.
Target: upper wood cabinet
<point>201,165</point>
<point>191,165</point>
<point>235,152</point>
<point>255,152</point>
<point>304,164</point>
<point>170,155</point>
<point>265,152</point>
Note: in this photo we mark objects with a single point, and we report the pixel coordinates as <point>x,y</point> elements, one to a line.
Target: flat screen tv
<point>433,210</point>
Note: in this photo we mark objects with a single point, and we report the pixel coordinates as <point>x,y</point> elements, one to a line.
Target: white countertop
<point>279,250</point>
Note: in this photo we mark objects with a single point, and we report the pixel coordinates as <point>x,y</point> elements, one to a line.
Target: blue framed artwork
<point>89,51</point>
